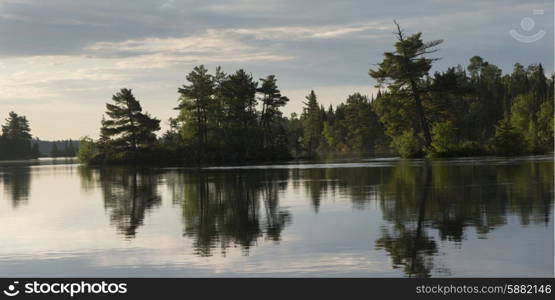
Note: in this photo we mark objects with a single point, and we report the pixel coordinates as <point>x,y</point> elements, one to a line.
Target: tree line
<point>63,148</point>
<point>233,117</point>
<point>16,142</point>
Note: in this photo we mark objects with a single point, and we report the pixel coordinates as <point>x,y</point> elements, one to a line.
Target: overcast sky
<point>61,60</point>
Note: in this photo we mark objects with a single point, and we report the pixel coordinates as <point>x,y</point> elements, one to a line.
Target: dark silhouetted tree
<point>128,127</point>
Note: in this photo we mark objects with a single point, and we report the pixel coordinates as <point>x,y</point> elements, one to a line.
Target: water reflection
<point>418,198</point>
<point>422,206</point>
<point>409,245</point>
<point>223,209</point>
<point>16,182</point>
<point>129,193</point>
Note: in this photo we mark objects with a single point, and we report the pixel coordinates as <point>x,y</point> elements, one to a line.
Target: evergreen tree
<point>217,113</point>
<point>239,93</point>
<point>272,101</point>
<point>16,127</point>
<point>294,129</point>
<point>488,98</point>
<point>195,103</point>
<point>87,150</point>
<point>15,142</point>
<point>128,127</point>
<point>472,111</point>
<point>507,140</point>
<point>404,70</point>
<point>545,126</point>
<point>364,132</point>
<point>312,123</point>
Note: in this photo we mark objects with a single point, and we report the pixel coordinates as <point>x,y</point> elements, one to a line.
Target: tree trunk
<point>420,112</point>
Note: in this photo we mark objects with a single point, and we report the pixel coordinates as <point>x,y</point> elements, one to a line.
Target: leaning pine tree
<point>127,127</point>
<point>403,70</point>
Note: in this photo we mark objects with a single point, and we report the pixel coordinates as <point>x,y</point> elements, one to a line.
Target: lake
<point>479,217</point>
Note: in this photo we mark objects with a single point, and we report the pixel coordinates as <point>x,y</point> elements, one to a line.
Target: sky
<point>61,60</point>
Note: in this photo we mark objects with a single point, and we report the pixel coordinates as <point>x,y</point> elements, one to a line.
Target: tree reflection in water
<point>223,209</point>
<point>417,197</point>
<point>16,182</point>
<point>408,245</point>
<point>129,193</point>
<point>420,202</point>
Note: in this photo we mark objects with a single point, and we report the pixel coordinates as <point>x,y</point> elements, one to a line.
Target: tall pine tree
<point>272,101</point>
<point>404,69</point>
<point>312,121</point>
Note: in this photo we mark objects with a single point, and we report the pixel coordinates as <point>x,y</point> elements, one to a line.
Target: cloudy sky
<point>61,60</point>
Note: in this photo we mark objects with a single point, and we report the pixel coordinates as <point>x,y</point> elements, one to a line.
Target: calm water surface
<point>376,218</point>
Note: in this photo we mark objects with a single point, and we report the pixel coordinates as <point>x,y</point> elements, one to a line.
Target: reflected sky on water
<point>368,218</point>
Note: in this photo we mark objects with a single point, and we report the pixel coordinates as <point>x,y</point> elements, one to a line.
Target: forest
<point>463,111</point>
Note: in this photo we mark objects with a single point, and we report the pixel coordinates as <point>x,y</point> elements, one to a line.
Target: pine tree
<point>312,121</point>
<point>272,101</point>
<point>404,69</point>
<point>239,93</point>
<point>128,127</point>
<point>15,142</point>
<point>17,127</point>
<point>507,140</point>
<point>195,103</point>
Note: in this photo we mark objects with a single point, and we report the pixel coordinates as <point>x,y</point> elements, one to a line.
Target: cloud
<point>213,46</point>
<point>167,5</point>
<point>225,45</point>
<point>298,33</point>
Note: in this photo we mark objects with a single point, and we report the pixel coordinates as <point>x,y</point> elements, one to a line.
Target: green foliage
<point>127,136</point>
<point>352,128</point>
<point>404,69</point>
<point>545,126</point>
<point>534,120</point>
<point>294,129</point>
<point>507,140</point>
<point>272,101</point>
<point>408,144</point>
<point>239,117</point>
<point>86,150</point>
<point>195,102</point>
<point>312,124</point>
<point>233,118</point>
<point>522,112</point>
<point>465,111</point>
<point>219,120</point>
<point>444,139</point>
